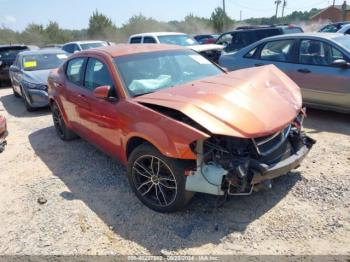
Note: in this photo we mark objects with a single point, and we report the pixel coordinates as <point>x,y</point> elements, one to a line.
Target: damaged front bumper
<point>240,174</point>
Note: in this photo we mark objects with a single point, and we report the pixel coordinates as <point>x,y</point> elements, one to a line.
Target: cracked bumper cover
<point>283,167</point>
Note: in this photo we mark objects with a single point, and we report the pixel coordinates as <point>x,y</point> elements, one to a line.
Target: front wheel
<point>158,181</point>
<point>61,129</point>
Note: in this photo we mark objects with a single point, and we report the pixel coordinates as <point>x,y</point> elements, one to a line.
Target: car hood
<point>245,103</point>
<point>38,76</point>
<point>204,48</point>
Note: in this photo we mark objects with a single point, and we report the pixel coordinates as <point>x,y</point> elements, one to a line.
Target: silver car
<point>319,63</point>
<point>29,75</point>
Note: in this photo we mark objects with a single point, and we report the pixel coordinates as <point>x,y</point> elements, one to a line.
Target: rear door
<point>322,84</point>
<point>73,99</point>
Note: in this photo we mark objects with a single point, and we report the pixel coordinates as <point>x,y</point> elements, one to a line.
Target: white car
<point>345,29</point>
<point>174,39</point>
<point>73,47</point>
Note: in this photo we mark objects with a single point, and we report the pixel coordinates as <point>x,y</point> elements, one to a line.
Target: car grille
<point>267,144</point>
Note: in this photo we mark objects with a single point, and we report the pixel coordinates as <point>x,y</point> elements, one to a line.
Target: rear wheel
<point>158,181</point>
<point>61,129</point>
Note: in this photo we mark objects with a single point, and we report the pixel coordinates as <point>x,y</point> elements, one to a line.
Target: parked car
<point>29,75</point>
<point>8,54</point>
<point>210,51</point>
<point>318,63</point>
<point>333,27</point>
<point>246,35</point>
<point>180,123</point>
<point>3,133</point>
<point>78,46</point>
<point>206,39</point>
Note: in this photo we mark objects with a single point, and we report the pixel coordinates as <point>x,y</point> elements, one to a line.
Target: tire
<point>26,102</point>
<point>158,181</point>
<point>61,129</point>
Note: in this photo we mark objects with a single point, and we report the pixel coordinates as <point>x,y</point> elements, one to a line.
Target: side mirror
<point>102,92</point>
<point>340,63</point>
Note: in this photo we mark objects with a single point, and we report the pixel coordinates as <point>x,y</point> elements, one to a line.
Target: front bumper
<point>280,168</point>
<point>38,98</point>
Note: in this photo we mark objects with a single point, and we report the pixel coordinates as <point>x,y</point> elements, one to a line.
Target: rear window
<point>135,40</point>
<point>292,30</point>
<point>11,52</point>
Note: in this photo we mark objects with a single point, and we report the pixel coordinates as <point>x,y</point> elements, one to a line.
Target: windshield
<point>149,72</point>
<point>329,29</point>
<point>43,61</point>
<point>93,45</point>
<point>10,53</point>
<point>183,40</point>
<point>344,41</point>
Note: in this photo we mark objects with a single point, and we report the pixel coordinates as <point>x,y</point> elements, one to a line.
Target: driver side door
<point>99,117</point>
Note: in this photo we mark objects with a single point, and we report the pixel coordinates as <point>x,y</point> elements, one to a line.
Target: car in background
<point>29,75</point>
<point>50,46</point>
<point>319,63</point>
<point>206,39</point>
<point>3,133</point>
<point>8,54</point>
<point>210,51</point>
<point>333,27</point>
<point>77,46</point>
<point>180,123</point>
<point>243,36</point>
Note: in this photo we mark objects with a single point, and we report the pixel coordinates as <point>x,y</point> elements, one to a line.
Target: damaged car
<point>180,123</point>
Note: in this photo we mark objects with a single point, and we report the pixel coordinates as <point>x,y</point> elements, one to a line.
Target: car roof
<point>157,34</point>
<point>43,51</point>
<point>128,49</point>
<point>329,36</point>
<point>85,42</point>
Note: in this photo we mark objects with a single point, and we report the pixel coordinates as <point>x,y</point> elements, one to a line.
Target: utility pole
<point>284,6</point>
<point>333,3</point>
<point>224,6</point>
<point>240,15</point>
<point>277,2</point>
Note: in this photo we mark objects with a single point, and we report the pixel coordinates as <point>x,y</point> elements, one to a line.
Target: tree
<point>55,34</point>
<point>33,34</point>
<point>220,20</point>
<point>101,26</point>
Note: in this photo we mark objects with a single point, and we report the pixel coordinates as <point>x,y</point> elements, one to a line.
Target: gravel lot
<point>90,208</point>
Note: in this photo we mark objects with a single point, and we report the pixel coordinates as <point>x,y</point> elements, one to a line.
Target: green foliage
<point>102,27</point>
<point>220,21</point>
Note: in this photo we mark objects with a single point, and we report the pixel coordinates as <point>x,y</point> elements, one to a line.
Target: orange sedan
<point>180,123</point>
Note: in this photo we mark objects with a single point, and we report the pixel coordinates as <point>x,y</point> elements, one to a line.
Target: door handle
<point>259,64</point>
<point>304,71</point>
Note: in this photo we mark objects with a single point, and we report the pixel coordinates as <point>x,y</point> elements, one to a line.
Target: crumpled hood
<point>207,47</point>
<point>246,103</point>
<point>37,76</point>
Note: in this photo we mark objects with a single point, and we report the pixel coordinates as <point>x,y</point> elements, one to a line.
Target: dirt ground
<point>90,208</point>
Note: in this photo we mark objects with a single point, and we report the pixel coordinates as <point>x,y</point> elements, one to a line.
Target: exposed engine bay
<point>237,166</point>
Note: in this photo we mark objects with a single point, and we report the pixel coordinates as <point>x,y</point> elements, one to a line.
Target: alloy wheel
<point>154,180</point>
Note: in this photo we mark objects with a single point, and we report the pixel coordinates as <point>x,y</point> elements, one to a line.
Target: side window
<point>68,48</point>
<point>314,52</point>
<point>75,48</point>
<point>135,40</point>
<point>251,53</point>
<point>149,40</point>
<point>75,70</point>
<point>279,51</point>
<point>347,32</point>
<point>96,75</point>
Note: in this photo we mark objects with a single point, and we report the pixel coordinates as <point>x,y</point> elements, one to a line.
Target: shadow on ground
<point>101,184</point>
<point>327,121</point>
<point>15,107</point>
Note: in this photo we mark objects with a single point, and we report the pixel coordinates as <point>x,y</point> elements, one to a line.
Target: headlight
<point>35,86</point>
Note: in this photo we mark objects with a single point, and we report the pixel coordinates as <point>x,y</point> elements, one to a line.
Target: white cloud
<point>10,19</point>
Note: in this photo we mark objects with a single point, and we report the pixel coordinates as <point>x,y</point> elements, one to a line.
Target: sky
<point>74,14</point>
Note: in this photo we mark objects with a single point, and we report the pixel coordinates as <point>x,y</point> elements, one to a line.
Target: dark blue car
<point>29,75</point>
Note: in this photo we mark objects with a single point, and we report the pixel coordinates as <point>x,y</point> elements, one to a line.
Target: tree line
<point>102,27</point>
